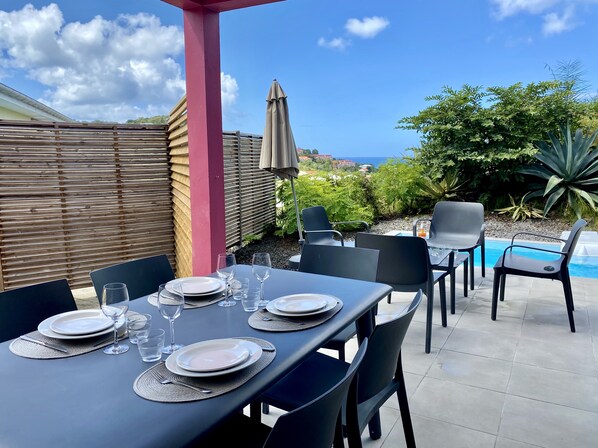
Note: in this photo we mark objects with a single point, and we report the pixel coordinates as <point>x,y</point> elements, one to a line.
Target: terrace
<point>522,381</point>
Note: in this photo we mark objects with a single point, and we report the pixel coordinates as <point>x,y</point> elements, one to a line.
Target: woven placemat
<point>279,323</point>
<point>74,347</point>
<point>147,385</point>
<point>152,299</point>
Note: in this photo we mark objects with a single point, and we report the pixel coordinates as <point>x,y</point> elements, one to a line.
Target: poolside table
<point>88,400</point>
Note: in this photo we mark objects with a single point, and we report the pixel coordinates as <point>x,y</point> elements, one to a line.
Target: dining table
<point>89,400</point>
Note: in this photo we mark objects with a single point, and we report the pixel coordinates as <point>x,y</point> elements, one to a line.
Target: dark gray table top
<point>89,401</point>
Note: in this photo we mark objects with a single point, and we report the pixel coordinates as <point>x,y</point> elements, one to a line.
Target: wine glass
<point>225,269</point>
<point>171,301</point>
<point>115,303</point>
<point>261,265</point>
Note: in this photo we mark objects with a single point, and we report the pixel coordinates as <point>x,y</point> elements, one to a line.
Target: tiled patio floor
<point>522,381</point>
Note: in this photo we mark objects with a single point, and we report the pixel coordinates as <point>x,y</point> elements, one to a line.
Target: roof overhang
<point>218,5</point>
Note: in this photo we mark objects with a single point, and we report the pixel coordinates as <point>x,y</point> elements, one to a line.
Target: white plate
<point>331,302</point>
<point>211,356</point>
<point>197,286</point>
<point>80,322</point>
<point>255,352</point>
<point>300,303</point>
<point>44,328</point>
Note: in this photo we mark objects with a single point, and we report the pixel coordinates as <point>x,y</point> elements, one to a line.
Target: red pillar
<point>204,120</point>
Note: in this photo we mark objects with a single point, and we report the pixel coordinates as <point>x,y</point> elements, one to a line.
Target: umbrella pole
<point>301,240</point>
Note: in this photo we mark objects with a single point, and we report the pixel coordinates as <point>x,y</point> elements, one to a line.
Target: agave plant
<point>521,211</point>
<point>446,188</point>
<point>570,169</point>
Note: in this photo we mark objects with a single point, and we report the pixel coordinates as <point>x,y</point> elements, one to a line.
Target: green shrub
<point>396,188</point>
<point>344,196</point>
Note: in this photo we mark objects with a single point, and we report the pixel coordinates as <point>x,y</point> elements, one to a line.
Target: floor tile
<point>462,405</point>
<point>429,432</point>
<point>548,425</point>
<point>554,386</point>
<point>568,356</point>
<point>472,370</point>
<point>482,343</point>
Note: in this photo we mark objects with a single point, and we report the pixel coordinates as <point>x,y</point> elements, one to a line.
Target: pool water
<point>580,266</point>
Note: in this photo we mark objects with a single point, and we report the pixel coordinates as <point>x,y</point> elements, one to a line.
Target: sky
<point>351,69</point>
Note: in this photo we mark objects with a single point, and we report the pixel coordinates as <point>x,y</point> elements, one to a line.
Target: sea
<point>374,161</point>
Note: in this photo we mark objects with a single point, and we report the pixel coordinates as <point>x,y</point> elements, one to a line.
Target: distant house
<point>17,106</point>
<point>342,163</point>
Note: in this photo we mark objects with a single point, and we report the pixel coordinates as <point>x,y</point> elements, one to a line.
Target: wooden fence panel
<point>75,197</point>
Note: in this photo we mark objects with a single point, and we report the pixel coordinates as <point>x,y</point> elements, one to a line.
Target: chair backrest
<point>142,276</point>
<point>569,247</point>
<point>403,261</point>
<point>340,261</point>
<point>22,309</point>
<point>457,218</point>
<point>316,218</point>
<point>313,424</point>
<point>380,363</point>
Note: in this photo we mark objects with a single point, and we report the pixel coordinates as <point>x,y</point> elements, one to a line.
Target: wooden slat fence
<point>75,197</point>
<point>249,191</point>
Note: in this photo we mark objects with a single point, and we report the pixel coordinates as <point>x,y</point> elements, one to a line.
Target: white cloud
<point>337,43</point>
<point>230,90</point>
<point>106,70</point>
<point>367,28</point>
<point>555,23</point>
<point>507,8</point>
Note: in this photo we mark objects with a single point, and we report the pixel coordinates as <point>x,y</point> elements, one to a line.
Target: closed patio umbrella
<point>279,153</point>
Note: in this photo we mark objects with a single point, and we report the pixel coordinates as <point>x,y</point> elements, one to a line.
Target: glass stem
<point>115,337</point>
<point>262,290</point>
<point>171,332</point>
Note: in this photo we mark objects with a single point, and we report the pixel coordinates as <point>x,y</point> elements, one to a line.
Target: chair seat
<point>306,382</point>
<point>521,265</point>
<point>458,242</point>
<point>248,433</point>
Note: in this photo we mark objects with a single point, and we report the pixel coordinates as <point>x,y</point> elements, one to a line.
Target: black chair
<point>315,424</point>
<point>379,377</point>
<point>404,264</point>
<point>22,309</point>
<point>556,269</point>
<point>319,230</point>
<point>142,276</point>
<point>459,226</point>
<point>337,261</point>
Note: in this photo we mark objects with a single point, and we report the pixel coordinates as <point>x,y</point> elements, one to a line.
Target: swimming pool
<point>580,266</point>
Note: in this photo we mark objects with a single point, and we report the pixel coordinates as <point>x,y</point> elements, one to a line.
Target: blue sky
<point>351,69</point>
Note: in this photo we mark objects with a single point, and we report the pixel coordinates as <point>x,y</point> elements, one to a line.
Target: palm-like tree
<point>570,169</point>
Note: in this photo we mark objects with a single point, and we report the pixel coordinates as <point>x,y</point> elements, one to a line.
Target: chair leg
<point>265,408</point>
<point>255,412</point>
<point>471,269</point>
<point>404,407</point>
<point>453,281</point>
<point>429,313</point>
<point>569,300</point>
<point>341,353</point>
<point>483,252</point>
<point>465,276</point>
<point>495,287</point>
<point>503,283</point>
<point>442,288</point>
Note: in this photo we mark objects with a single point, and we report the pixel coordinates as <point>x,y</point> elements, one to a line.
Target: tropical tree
<point>569,168</point>
<point>487,135</point>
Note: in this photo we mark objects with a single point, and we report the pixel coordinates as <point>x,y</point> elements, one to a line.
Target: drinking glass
<point>171,301</point>
<point>261,265</point>
<point>115,303</point>
<point>225,269</point>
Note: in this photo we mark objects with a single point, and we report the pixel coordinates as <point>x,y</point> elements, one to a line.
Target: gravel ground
<point>497,226</point>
